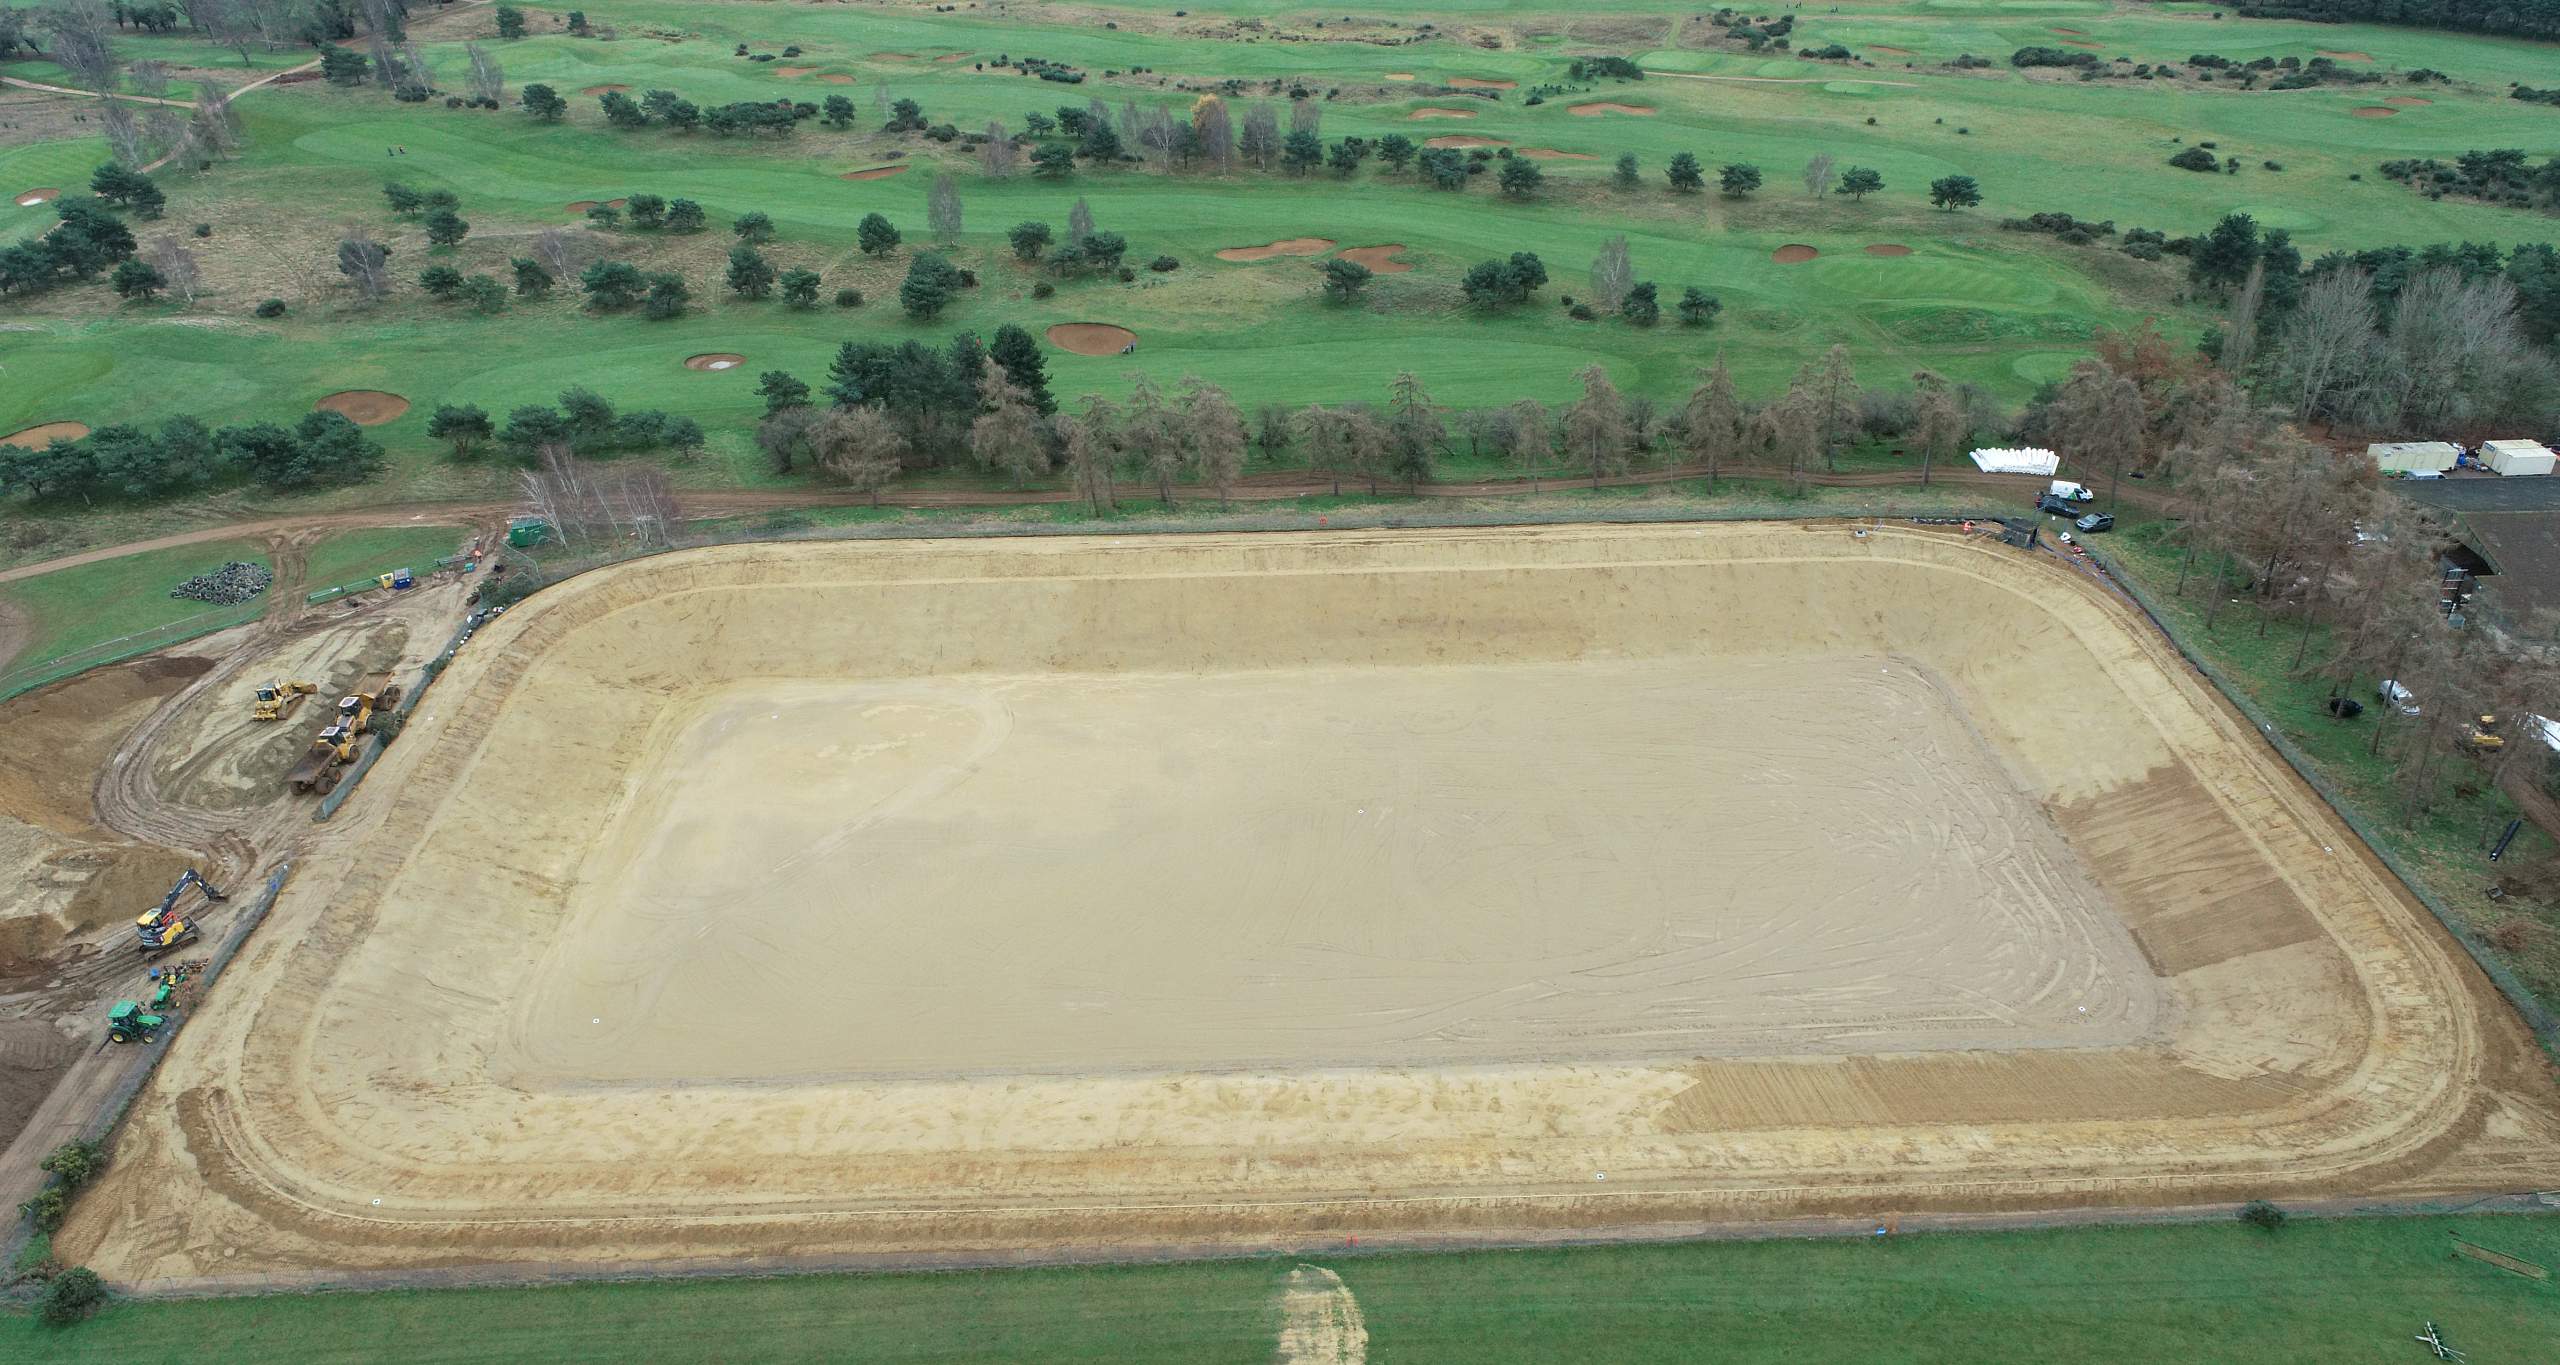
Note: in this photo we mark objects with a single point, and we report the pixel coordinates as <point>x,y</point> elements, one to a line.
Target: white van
<point>2069,491</point>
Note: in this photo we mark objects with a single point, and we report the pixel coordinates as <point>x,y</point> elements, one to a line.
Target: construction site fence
<point>409,699</point>
<point>371,581</point>
<point>30,676</point>
<point>119,1099</point>
<point>2537,1015</point>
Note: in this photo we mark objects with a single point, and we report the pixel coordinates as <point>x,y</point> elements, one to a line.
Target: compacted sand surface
<point>876,899</point>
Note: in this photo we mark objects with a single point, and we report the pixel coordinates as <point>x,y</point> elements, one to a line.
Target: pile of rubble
<point>228,586</point>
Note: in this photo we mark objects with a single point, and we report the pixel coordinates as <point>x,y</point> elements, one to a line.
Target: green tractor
<point>130,1023</point>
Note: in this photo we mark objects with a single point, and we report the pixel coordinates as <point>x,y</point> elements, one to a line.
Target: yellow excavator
<point>276,700</point>
<point>2483,734</point>
<point>166,925</point>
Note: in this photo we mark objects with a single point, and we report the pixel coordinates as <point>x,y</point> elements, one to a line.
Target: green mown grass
<point>78,608</point>
<point>354,555</point>
<point>2322,1290</point>
<point>2002,310</point>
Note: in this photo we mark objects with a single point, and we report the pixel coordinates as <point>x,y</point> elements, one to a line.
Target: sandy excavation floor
<point>923,896</point>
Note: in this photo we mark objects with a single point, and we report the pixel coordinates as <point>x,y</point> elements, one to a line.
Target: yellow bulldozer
<point>2483,735</point>
<point>355,710</point>
<point>276,700</point>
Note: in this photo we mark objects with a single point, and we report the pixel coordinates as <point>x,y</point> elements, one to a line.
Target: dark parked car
<point>2056,504</point>
<point>2096,521</point>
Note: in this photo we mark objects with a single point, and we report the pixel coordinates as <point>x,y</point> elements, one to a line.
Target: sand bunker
<point>837,78</point>
<point>1884,249</point>
<point>1464,140</point>
<point>793,71</point>
<point>949,57</point>
<point>1379,259</point>
<point>893,56</point>
<point>2373,111</point>
<point>1399,75</point>
<point>1436,112</point>
<point>1293,246</point>
<point>2076,33</point>
<point>364,407</point>
<point>43,434</point>
<point>1210,888</point>
<point>604,89</point>
<point>1474,83</point>
<point>1610,107</point>
<point>1092,338</point>
<point>1551,154</point>
<point>2412,101</point>
<point>2346,56</point>
<point>714,360</point>
<point>2079,42</point>
<point>582,205</point>
<point>875,173</point>
<point>1793,253</point>
<point>30,198</point>
<point>1889,50</point>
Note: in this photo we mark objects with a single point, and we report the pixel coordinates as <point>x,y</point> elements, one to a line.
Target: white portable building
<point>2516,457</point>
<point>2029,460</point>
<point>2414,457</point>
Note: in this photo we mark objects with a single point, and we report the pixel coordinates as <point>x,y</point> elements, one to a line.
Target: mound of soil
<point>875,173</point>
<point>1885,249</point>
<point>43,434</point>
<point>2373,111</point>
<point>2412,101</point>
<point>1889,50</point>
<point>364,407</point>
<point>1091,338</point>
<point>2079,42</point>
<point>714,360</point>
<point>583,205</point>
<point>1292,246</point>
<point>793,72</point>
<point>2072,31</point>
<point>28,199</point>
<point>2346,56</point>
<point>603,89</point>
<point>1377,258</point>
<point>1551,154</point>
<point>1475,83</point>
<point>1437,112</point>
<point>1793,253</point>
<point>1610,107</point>
<point>1462,140</point>
<point>1399,75</point>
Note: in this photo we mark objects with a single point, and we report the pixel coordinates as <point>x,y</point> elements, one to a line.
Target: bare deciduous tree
<point>1595,428</point>
<point>1079,222</point>
<point>124,136</point>
<point>82,42</point>
<point>558,252</point>
<point>860,448</point>
<point>1260,139</point>
<point>1215,132</point>
<point>1819,173</point>
<point>942,208</point>
<point>1306,116</point>
<point>177,265</point>
<point>1613,273</point>
<point>1092,450</point>
<point>1214,431</point>
<point>996,155</point>
<point>488,80</point>
<point>1528,437</point>
<point>366,264</point>
<point>1151,434</point>
<point>1007,436</point>
<point>1711,421</point>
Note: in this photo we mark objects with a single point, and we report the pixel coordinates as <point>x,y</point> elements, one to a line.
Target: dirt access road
<point>398,1074</point>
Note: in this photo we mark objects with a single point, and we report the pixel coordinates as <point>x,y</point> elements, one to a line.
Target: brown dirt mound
<point>2072,31</point>
<point>44,434</point>
<point>2078,42</point>
<point>875,173</point>
<point>2346,56</point>
<point>1610,107</point>
<point>1399,75</point>
<point>1462,140</point>
<point>793,72</point>
<point>1288,246</point>
<point>28,199</point>
<point>2373,111</point>
<point>1377,258</point>
<point>1091,338</point>
<point>1886,249</point>
<point>1476,83</point>
<point>1437,112</point>
<point>1793,253</point>
<point>603,89</point>
<point>364,407</point>
<point>2412,101</point>
<point>837,78</point>
<point>583,205</point>
<point>714,360</point>
<point>1889,50</point>
<point>1551,154</point>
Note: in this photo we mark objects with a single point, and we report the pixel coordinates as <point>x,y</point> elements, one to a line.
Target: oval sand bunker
<point>44,434</point>
<point>30,198</point>
<point>1793,253</point>
<point>1609,107</point>
<point>583,205</point>
<point>1436,111</point>
<point>875,173</point>
<point>1551,154</point>
<point>1379,259</point>
<point>2373,111</point>
<point>1476,83</point>
<point>364,407</point>
<point>714,360</point>
<point>1884,249</point>
<point>604,89</point>
<point>1292,246</point>
<point>1464,140</point>
<point>1092,338</point>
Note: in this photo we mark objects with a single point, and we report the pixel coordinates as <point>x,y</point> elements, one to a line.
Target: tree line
<point>182,455</point>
